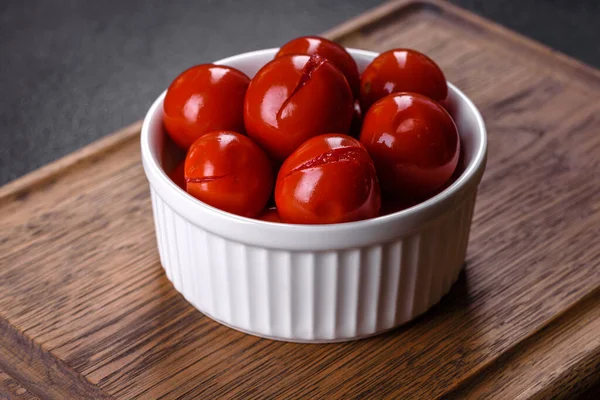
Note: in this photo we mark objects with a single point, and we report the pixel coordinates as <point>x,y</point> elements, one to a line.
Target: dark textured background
<point>72,71</point>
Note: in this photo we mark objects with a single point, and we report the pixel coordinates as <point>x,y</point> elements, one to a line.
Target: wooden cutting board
<point>87,312</point>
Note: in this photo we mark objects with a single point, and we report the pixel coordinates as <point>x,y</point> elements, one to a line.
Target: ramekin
<point>314,283</point>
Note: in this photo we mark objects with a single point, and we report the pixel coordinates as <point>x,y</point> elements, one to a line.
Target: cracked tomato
<point>315,45</point>
<point>229,171</point>
<point>294,98</point>
<point>328,179</point>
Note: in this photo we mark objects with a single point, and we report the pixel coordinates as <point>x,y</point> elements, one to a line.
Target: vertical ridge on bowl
<point>213,261</point>
<point>237,273</point>
<point>302,289</point>
<point>181,238</point>
<point>247,272</point>
<point>425,273</point>
<point>258,290</point>
<point>207,299</point>
<point>225,284</point>
<point>390,284</point>
<point>368,311</point>
<point>468,217</point>
<point>165,239</point>
<point>225,279</point>
<point>437,284</point>
<point>351,295</point>
<point>409,264</point>
<point>169,218</point>
<point>193,260</point>
<point>279,278</point>
<point>158,225</point>
<point>448,276</point>
<point>325,304</point>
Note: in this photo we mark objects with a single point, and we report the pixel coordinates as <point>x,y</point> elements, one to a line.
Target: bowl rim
<point>443,200</point>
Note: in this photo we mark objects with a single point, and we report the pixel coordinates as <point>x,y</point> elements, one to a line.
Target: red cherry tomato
<point>401,70</point>
<point>315,45</point>
<point>203,99</point>
<point>357,119</point>
<point>228,171</point>
<point>414,144</point>
<point>328,179</point>
<point>270,215</point>
<point>294,98</point>
<point>460,168</point>
<point>177,175</point>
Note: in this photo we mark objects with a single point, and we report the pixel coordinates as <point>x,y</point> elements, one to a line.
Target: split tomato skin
<point>328,179</point>
<point>294,98</point>
<point>414,143</point>
<point>315,45</point>
<point>203,99</point>
<point>228,171</point>
<point>401,70</point>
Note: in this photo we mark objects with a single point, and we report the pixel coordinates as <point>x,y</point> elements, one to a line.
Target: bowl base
<point>308,341</point>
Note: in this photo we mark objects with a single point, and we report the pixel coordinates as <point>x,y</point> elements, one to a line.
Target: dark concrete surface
<point>72,71</point>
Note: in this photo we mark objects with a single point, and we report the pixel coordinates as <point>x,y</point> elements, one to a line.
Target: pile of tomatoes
<point>309,140</point>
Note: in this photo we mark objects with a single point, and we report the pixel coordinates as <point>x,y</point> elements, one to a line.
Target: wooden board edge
<point>394,6</point>
<point>38,371</point>
<point>582,376</point>
<point>11,388</point>
<point>64,164</point>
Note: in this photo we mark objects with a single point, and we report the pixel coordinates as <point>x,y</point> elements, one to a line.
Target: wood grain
<point>11,388</point>
<point>28,371</point>
<point>522,372</point>
<point>83,296</point>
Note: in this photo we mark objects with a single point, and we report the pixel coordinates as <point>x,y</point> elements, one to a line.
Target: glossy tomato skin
<point>414,144</point>
<point>328,179</point>
<point>315,45</point>
<point>227,170</point>
<point>401,70</point>
<point>294,98</point>
<point>203,99</point>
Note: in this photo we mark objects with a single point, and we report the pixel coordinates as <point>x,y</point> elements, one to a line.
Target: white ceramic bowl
<point>314,283</point>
